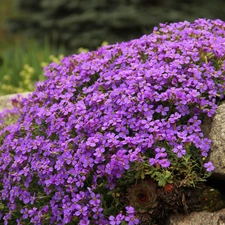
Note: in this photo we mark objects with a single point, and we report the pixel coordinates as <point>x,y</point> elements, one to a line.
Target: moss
<point>211,199</point>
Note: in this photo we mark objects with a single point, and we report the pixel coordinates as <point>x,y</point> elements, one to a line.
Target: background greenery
<point>22,58</point>
<point>31,32</point>
<point>88,23</point>
<point>23,65</point>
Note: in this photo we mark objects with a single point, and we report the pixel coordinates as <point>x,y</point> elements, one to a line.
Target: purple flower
<point>25,213</point>
<point>132,220</point>
<point>92,141</point>
<point>179,150</point>
<point>116,220</point>
<point>209,166</point>
<point>81,210</point>
<point>162,110</point>
<point>153,161</point>
<point>130,210</point>
<point>99,151</point>
<point>164,163</point>
<point>174,117</point>
<point>84,221</point>
<point>160,150</point>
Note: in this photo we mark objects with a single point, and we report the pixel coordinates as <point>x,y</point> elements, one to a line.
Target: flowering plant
<point>103,120</point>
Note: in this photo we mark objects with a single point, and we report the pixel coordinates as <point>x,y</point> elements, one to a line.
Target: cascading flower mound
<point>105,119</point>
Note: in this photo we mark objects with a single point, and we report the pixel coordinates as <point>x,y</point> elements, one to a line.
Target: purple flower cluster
<point>98,112</point>
<point>130,218</point>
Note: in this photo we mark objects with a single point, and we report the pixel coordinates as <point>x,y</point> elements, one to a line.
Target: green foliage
<point>77,23</point>
<point>211,199</point>
<point>23,65</point>
<point>186,171</point>
<point>7,10</point>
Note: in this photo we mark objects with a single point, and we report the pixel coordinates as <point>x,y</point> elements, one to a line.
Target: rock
<point>206,125</point>
<point>199,218</point>
<point>213,128</point>
<point>5,100</point>
<point>217,135</point>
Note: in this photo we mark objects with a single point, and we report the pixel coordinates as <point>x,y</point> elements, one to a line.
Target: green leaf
<point>142,175</point>
<point>2,206</point>
<point>149,172</point>
<point>168,175</point>
<point>102,89</point>
<point>162,183</point>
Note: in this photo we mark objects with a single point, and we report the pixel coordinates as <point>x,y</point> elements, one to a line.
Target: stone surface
<point>213,128</point>
<point>199,218</point>
<point>217,135</point>
<point>206,125</point>
<point>5,100</point>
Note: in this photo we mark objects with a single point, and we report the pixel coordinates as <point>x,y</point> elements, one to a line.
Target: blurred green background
<point>36,32</point>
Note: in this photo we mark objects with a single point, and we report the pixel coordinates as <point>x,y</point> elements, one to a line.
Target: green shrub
<point>86,23</point>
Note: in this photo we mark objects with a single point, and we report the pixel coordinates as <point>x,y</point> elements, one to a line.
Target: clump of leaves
<point>143,196</point>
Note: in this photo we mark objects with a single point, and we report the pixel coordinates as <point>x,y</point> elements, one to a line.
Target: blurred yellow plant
<point>26,84</point>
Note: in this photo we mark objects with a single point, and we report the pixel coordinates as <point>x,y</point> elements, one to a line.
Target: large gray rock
<point>199,218</point>
<point>213,128</point>
<point>217,135</point>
